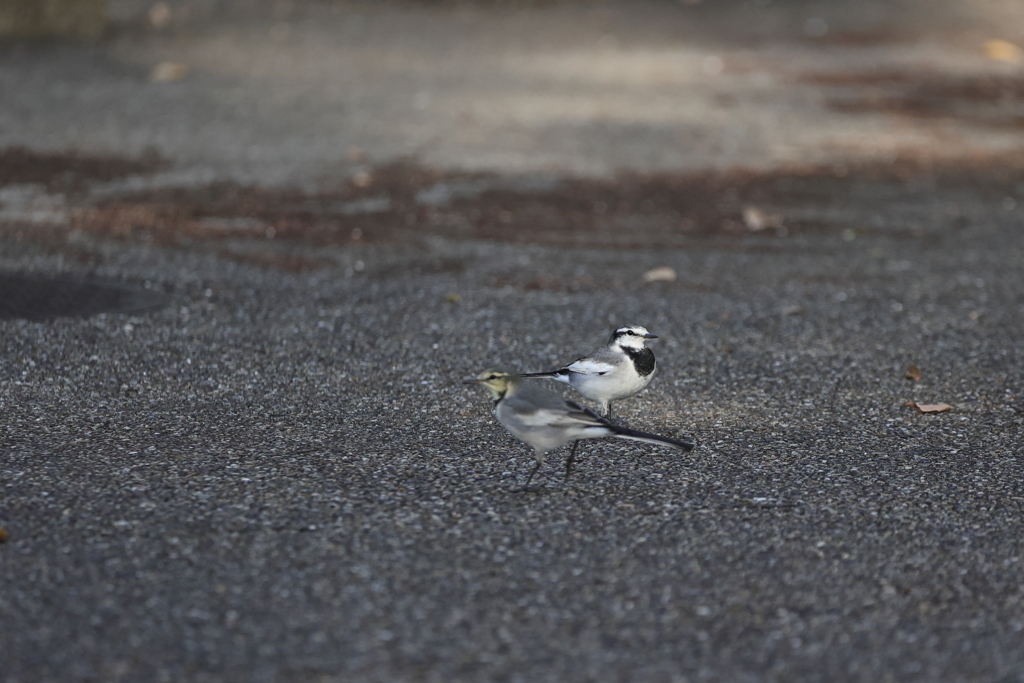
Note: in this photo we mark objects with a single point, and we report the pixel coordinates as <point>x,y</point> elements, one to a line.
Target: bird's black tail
<point>633,435</point>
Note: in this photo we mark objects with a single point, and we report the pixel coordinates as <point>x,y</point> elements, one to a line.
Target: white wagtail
<point>546,420</point>
<point>619,370</point>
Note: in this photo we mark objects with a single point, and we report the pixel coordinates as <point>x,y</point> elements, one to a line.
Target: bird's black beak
<point>650,336</point>
<point>472,381</point>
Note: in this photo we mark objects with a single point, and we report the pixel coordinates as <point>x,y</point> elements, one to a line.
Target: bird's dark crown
<point>631,335</point>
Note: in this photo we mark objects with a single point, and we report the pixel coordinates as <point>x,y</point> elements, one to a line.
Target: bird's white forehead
<point>632,328</point>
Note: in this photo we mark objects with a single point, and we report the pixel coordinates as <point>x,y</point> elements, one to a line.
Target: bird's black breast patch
<point>643,360</point>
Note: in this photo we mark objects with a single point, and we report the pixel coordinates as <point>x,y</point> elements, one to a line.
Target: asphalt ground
<point>269,468</point>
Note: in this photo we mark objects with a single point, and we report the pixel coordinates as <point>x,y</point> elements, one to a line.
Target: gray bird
<point>545,420</point>
<point>613,372</point>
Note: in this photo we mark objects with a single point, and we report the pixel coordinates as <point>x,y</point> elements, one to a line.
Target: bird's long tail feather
<point>554,374</point>
<point>633,435</point>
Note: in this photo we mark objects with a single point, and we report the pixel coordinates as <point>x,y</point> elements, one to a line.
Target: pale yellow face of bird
<point>497,381</point>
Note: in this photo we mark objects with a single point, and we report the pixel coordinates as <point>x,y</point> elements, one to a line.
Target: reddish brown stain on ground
<point>985,100</point>
<point>631,210</point>
<point>62,171</point>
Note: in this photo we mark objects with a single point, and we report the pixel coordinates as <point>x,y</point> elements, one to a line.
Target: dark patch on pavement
<point>631,210</point>
<point>69,170</point>
<point>989,100</point>
<point>35,297</point>
<point>866,37</point>
<point>403,203</point>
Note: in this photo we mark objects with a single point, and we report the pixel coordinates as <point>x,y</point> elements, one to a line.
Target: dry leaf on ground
<point>757,220</point>
<point>913,373</point>
<point>662,274</point>
<point>167,72</point>
<point>160,14</point>
<point>1003,51</point>
<point>930,407</point>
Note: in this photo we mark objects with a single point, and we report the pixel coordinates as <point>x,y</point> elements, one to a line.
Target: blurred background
<point>333,122</point>
<point>302,92</point>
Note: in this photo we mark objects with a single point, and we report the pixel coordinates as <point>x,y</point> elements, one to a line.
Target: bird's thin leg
<point>532,472</point>
<point>571,460</point>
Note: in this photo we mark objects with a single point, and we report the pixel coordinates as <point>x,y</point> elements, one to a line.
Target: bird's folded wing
<point>557,417</point>
<point>577,415</point>
<point>578,412</point>
<point>590,366</point>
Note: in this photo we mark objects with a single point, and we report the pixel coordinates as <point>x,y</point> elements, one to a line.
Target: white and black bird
<point>613,372</point>
<point>545,420</point>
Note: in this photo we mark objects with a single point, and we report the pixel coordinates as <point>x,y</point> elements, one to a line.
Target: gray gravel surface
<point>280,476</point>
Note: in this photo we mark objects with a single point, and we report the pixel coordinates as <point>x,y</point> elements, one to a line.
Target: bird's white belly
<point>603,388</point>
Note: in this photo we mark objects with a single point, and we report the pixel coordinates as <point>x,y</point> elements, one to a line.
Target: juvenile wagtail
<point>545,420</point>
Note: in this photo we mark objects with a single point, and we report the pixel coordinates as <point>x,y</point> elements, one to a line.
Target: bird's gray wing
<point>579,414</point>
<point>600,362</point>
<point>534,405</point>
